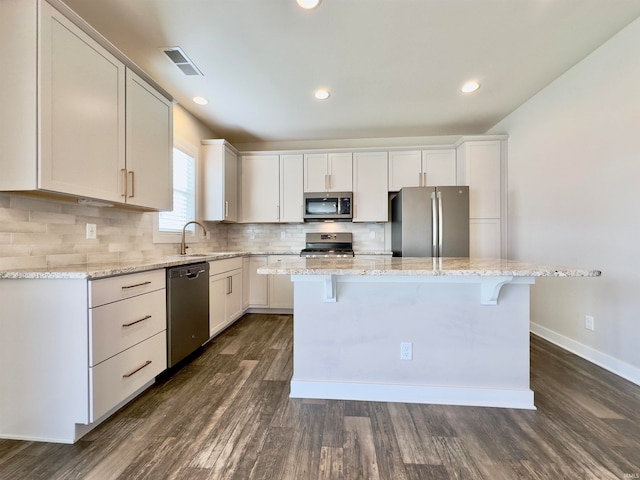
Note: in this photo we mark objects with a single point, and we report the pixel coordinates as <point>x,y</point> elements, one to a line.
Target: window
<point>184,195</point>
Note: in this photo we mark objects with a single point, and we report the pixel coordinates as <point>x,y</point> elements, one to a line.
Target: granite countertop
<point>413,266</point>
<point>96,271</point>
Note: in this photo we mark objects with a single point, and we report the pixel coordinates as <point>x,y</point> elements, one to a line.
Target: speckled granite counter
<point>94,272</point>
<point>412,266</point>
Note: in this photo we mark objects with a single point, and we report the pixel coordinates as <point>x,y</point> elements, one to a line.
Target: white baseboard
<point>612,364</point>
<point>475,397</point>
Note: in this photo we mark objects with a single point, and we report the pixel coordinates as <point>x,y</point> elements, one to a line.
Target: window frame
<point>191,235</point>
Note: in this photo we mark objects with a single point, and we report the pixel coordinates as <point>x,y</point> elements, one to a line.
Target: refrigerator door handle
<point>440,229</point>
<point>434,230</point>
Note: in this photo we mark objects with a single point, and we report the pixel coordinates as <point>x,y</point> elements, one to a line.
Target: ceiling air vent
<point>180,59</point>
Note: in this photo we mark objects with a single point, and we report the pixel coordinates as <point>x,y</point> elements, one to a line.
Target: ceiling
<point>394,67</point>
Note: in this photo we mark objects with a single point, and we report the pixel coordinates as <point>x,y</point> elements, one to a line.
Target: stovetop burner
<point>327,245</point>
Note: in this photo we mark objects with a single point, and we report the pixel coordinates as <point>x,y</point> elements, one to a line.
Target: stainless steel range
<point>325,245</point>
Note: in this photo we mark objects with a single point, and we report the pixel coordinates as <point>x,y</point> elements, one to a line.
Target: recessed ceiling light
<point>469,87</point>
<point>200,100</point>
<point>308,4</point>
<point>322,94</point>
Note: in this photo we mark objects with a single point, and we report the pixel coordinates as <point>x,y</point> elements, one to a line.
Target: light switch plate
<point>92,232</point>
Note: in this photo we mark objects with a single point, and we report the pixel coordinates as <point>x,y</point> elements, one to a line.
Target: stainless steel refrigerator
<point>430,222</point>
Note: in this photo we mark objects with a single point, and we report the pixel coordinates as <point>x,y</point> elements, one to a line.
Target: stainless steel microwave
<point>328,206</point>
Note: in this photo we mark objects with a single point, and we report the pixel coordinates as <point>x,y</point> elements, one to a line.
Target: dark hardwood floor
<point>227,415</point>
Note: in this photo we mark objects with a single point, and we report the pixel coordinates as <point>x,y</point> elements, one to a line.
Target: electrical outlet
<point>406,351</point>
<point>91,231</point>
<point>372,234</point>
<point>589,323</point>
<point>283,234</point>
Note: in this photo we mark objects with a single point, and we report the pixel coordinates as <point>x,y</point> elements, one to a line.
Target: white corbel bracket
<point>490,289</point>
<point>329,289</point>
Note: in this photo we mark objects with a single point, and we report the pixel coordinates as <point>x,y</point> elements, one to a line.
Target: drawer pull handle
<point>147,317</point>
<point>133,372</point>
<point>136,285</point>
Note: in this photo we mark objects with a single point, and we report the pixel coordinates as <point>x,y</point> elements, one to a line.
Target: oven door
<point>327,206</point>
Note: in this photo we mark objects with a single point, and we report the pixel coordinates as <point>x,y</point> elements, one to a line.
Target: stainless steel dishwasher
<point>187,310</point>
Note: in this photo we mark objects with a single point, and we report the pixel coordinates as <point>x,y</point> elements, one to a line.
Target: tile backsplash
<point>39,233</point>
<point>291,236</point>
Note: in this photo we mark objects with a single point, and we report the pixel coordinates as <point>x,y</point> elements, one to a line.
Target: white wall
<point>574,199</point>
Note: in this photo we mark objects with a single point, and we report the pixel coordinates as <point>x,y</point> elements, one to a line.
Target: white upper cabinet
<point>370,196</point>
<point>405,170</point>
<point>415,168</point>
<point>479,167</point>
<point>67,92</point>
<point>220,174</point>
<point>149,146</point>
<point>83,112</point>
<point>271,188</point>
<point>439,167</point>
<point>328,172</point>
<point>260,187</point>
<point>291,195</point>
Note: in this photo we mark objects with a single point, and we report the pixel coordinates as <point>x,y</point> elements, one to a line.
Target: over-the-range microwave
<point>324,206</point>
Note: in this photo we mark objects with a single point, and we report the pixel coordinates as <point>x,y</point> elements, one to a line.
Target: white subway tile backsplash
<point>40,233</point>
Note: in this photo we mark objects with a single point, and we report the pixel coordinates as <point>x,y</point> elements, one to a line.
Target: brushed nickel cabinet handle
<point>136,285</point>
<point>146,317</point>
<point>132,177</point>
<point>133,372</point>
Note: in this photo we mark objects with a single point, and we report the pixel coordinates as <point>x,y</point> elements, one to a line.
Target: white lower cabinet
<point>268,291</point>
<point>225,293</point>
<point>119,377</point>
<point>280,286</point>
<point>127,337</point>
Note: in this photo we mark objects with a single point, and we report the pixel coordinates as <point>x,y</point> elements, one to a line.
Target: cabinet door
<point>217,303</point>
<point>439,167</point>
<point>230,185</point>
<point>149,146</point>
<point>280,287</point>
<point>291,197</point>
<point>340,169</point>
<point>316,176</point>
<point>258,284</point>
<point>245,282</point>
<point>260,180</point>
<point>484,238</point>
<point>479,167</point>
<point>234,295</point>
<point>370,195</point>
<point>405,170</point>
<point>83,112</point>
<point>220,179</point>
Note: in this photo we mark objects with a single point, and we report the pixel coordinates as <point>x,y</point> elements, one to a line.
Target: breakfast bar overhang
<point>466,320</point>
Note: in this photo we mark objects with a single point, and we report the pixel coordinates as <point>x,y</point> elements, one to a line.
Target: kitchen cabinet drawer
<point>114,380</point>
<point>114,327</point>
<point>112,289</point>
<point>225,265</point>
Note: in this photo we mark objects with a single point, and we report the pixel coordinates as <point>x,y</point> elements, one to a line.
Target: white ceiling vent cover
<point>180,59</point>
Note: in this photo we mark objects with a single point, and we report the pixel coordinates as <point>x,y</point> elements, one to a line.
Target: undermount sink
<point>195,255</point>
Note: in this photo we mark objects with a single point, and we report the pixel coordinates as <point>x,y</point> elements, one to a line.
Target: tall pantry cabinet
<point>76,120</point>
<point>481,164</point>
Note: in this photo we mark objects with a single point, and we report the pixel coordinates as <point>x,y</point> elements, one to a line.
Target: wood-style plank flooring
<point>227,415</point>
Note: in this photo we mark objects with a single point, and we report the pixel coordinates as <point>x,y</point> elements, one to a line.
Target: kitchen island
<point>461,326</point>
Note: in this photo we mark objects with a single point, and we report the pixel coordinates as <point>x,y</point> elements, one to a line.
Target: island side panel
<point>458,343</point>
